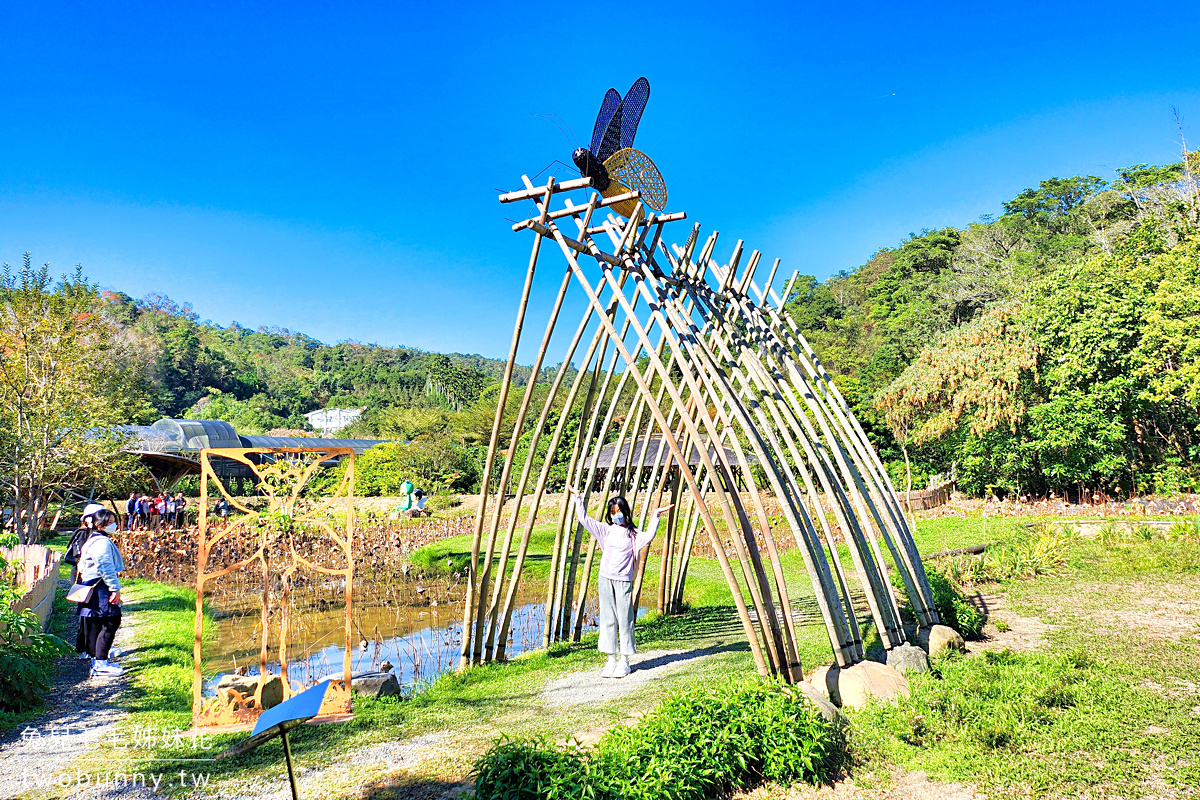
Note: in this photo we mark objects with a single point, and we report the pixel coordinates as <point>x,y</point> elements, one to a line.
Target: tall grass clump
<point>693,746</point>
<point>1042,550</point>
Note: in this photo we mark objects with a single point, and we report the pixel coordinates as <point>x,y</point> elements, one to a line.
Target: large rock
<point>375,684</point>
<point>852,686</point>
<point>247,685</point>
<point>817,700</point>
<point>937,639</point>
<point>370,684</point>
<point>908,658</point>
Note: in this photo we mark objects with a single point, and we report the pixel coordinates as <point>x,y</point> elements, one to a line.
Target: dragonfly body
<point>611,162</point>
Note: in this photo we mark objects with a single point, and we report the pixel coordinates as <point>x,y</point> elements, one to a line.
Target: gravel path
<point>81,712</point>
<point>587,687</point>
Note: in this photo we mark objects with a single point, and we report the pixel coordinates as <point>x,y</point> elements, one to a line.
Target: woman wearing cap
<point>619,543</point>
<point>100,616</point>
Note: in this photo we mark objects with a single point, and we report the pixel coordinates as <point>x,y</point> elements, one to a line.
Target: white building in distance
<point>332,419</point>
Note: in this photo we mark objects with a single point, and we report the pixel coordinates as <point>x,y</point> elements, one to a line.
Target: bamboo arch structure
<point>720,389</point>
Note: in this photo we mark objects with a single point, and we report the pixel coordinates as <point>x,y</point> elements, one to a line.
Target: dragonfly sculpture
<point>612,163</point>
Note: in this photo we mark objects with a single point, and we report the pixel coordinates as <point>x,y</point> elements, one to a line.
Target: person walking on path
<point>180,511</point>
<point>619,542</point>
<point>100,616</point>
<point>130,511</point>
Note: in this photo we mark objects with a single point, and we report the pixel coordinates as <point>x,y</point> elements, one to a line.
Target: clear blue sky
<point>333,168</point>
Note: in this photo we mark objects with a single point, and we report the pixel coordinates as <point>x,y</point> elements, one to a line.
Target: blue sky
<point>334,168</point>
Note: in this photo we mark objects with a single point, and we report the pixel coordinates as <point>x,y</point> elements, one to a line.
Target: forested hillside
<point>269,378</point>
<point>1053,347</point>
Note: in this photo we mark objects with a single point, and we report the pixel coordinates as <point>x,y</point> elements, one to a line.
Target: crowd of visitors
<point>145,512</point>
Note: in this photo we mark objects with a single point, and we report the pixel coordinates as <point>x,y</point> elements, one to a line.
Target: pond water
<point>421,638</point>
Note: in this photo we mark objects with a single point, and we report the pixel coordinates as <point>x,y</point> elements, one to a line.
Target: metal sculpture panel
<point>287,540</point>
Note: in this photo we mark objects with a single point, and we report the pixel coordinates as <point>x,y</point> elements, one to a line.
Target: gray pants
<point>616,616</point>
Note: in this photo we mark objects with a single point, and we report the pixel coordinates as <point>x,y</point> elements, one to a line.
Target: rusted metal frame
<point>518,425</point>
<point>841,625</point>
<point>725,395</point>
<point>471,649</point>
<point>739,521</point>
<point>860,541</point>
<point>339,698</point>
<point>743,614</point>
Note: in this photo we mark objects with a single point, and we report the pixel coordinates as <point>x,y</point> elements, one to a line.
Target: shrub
<point>693,746</point>
<point>27,654</point>
<point>952,605</point>
<point>533,768</point>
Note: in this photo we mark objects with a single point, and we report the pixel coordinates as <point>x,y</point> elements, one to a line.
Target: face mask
<point>618,518</point>
<point>110,527</point>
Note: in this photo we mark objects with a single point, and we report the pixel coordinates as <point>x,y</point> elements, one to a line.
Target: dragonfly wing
<point>612,101</point>
<point>610,142</point>
<point>634,169</point>
<point>632,107</point>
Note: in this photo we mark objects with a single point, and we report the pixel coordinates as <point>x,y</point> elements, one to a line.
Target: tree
<point>1054,198</point>
<point>972,375</point>
<point>66,381</point>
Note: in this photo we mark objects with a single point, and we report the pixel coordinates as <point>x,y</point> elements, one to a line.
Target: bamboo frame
<point>690,354</point>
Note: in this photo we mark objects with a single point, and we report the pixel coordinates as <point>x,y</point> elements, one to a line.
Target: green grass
<point>432,558</point>
<point>1103,709</point>
<point>1047,723</point>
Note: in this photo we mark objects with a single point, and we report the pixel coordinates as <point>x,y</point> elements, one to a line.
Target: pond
<point>420,638</point>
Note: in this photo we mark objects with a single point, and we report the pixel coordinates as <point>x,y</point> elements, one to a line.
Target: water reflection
<point>419,644</point>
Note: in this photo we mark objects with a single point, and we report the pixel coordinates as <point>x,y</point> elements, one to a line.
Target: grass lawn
<point>1105,703</point>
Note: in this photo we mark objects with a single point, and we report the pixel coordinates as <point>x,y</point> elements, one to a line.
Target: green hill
<point>1051,348</point>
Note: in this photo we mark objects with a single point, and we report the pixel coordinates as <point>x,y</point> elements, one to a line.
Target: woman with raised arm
<point>620,542</point>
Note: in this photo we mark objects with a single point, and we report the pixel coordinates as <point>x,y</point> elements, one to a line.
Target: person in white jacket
<point>619,542</point>
<point>100,617</point>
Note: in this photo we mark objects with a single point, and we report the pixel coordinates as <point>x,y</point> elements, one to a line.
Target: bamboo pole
<point>743,613</point>
<point>467,653</point>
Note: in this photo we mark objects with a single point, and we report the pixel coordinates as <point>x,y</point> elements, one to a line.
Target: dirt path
<point>81,713</point>
<point>587,687</point>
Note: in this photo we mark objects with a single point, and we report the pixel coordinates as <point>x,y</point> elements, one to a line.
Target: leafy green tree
<point>66,382</point>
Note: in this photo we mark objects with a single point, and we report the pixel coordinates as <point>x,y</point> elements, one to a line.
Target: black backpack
<point>75,546</point>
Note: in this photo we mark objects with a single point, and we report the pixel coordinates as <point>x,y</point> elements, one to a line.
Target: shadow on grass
<point>411,786</point>
<point>695,624</point>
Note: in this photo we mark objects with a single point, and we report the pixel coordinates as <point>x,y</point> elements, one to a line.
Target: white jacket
<point>101,559</point>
